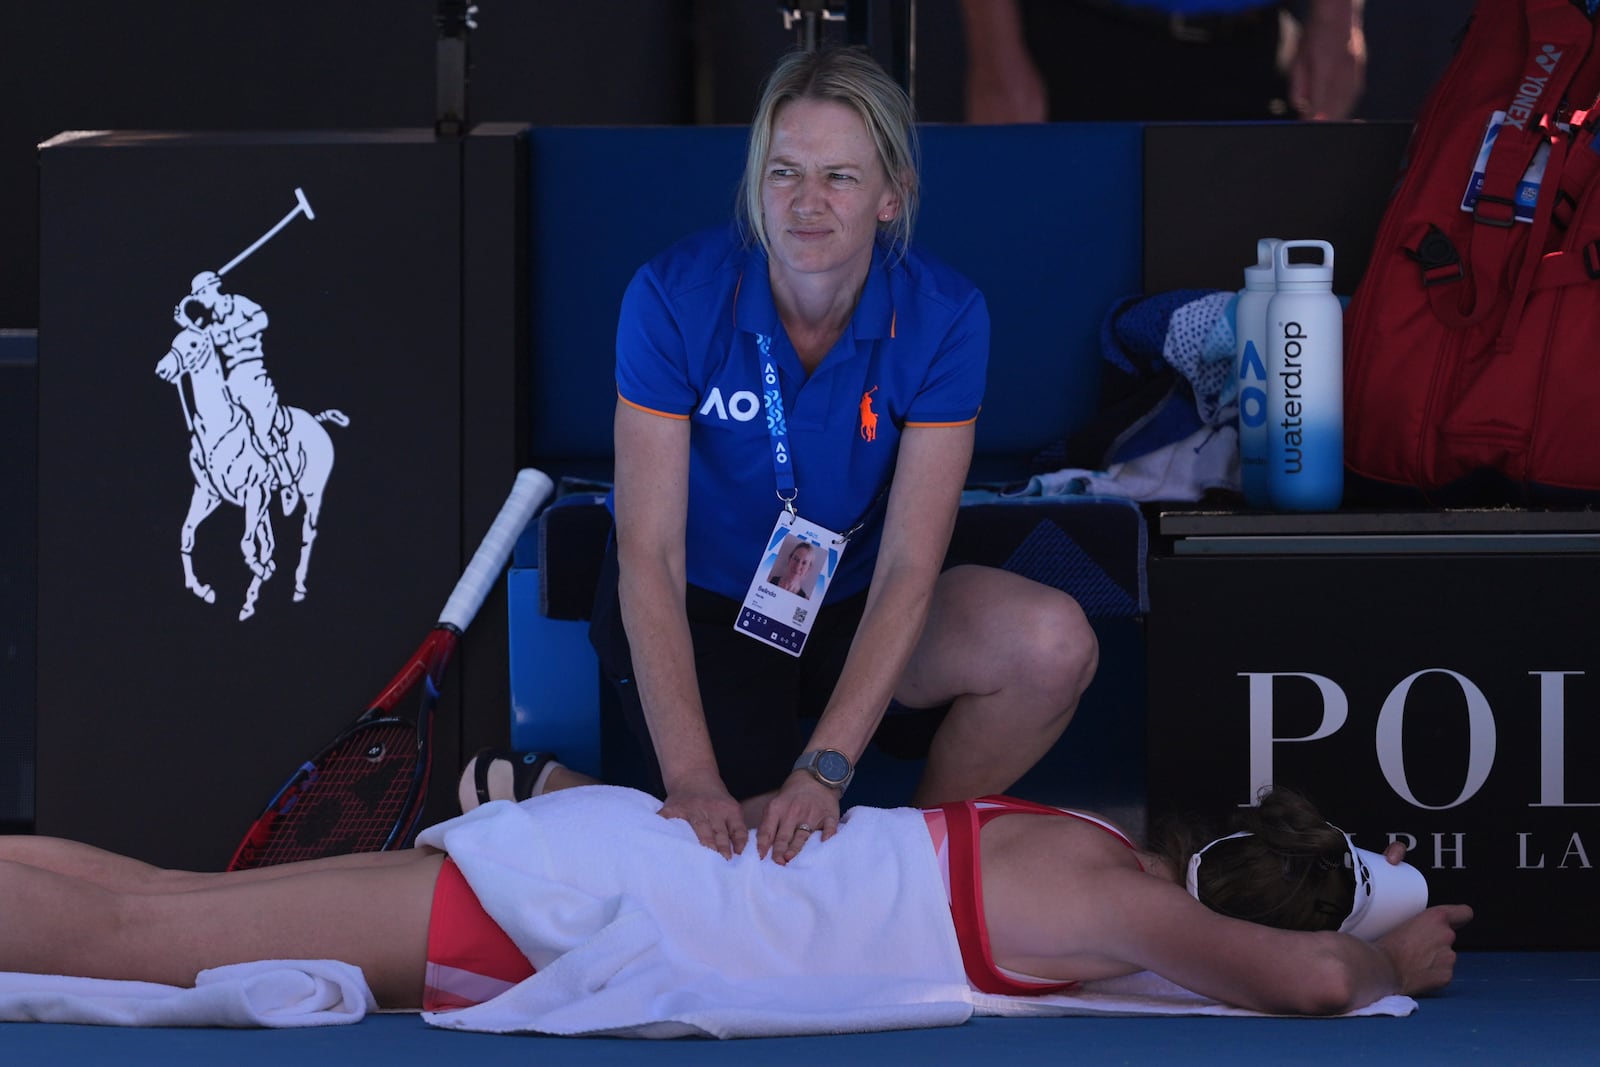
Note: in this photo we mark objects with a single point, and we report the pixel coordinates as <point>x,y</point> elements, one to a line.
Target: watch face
<point>832,765</point>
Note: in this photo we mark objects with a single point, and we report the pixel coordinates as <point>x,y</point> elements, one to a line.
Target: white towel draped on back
<point>636,928</point>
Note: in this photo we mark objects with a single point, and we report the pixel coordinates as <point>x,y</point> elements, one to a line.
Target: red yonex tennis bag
<point>1473,340</point>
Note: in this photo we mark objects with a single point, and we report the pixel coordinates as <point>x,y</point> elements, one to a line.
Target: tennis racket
<point>364,791</point>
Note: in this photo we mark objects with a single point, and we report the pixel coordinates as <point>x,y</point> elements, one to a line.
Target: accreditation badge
<point>796,566</point>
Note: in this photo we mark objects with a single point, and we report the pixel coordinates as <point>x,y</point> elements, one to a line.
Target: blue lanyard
<point>778,434</point>
<point>777,425</point>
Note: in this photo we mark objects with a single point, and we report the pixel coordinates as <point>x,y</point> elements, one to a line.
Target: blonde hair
<point>848,76</point>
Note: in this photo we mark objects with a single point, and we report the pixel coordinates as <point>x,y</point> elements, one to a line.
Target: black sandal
<point>525,770</point>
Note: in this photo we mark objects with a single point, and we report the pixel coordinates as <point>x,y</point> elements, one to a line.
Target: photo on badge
<point>796,566</point>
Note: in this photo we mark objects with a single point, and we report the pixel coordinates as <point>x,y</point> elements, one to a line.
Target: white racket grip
<point>532,488</point>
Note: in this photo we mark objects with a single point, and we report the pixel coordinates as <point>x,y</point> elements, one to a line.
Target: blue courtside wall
<point>1044,218</point>
<point>1047,221</point>
<point>603,201</point>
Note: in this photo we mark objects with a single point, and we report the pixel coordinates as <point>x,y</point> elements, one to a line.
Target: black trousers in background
<point>1105,61</point>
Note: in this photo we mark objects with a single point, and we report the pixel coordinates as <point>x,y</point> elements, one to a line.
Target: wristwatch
<point>829,766</point>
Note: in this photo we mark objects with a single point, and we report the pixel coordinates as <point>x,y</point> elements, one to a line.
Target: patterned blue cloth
<point>1180,441</point>
<point>1189,330</point>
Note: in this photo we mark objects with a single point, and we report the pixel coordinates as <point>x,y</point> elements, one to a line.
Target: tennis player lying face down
<point>1286,915</point>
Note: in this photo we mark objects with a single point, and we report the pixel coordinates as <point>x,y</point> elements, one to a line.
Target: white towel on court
<point>273,993</point>
<point>1144,993</point>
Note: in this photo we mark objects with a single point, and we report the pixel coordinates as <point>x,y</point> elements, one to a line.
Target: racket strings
<point>355,799</point>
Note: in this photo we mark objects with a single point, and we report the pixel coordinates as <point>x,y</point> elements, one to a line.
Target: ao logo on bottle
<point>1252,387</point>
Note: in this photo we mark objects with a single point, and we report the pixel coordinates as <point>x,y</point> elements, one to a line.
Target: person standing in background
<point>1162,60</point>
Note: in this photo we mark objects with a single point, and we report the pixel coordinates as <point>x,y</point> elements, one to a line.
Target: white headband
<point>1387,894</point>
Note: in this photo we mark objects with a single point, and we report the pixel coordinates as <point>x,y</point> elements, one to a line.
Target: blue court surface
<point>1504,1008</point>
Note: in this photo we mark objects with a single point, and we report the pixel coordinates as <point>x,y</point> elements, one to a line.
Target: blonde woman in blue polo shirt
<point>807,373</point>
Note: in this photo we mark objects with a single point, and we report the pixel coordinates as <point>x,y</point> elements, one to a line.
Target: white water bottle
<point>1250,371</point>
<point>1305,381</point>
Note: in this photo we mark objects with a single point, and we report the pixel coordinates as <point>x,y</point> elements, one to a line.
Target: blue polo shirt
<point>694,327</point>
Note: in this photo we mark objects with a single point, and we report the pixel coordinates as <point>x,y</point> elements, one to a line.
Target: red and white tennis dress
<point>955,830</point>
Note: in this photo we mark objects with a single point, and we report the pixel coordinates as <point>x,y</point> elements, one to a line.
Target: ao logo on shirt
<point>741,406</point>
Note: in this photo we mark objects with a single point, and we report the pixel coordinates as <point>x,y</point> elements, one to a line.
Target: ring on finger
<point>803,828</point>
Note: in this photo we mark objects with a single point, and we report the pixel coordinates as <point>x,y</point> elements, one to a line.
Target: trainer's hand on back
<point>804,808</point>
<point>1422,948</point>
<point>711,812</point>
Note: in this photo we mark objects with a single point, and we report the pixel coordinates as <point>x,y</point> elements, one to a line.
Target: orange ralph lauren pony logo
<point>869,418</point>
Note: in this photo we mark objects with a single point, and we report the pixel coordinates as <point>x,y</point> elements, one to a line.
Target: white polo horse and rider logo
<point>244,447</point>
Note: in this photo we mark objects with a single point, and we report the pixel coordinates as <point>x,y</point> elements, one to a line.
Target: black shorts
<point>755,697</point>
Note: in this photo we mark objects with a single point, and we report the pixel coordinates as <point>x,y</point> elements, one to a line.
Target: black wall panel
<point>1447,698</point>
<point>309,64</point>
<point>1212,189</point>
<point>166,718</point>
<point>366,64</point>
<point>19,381</point>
